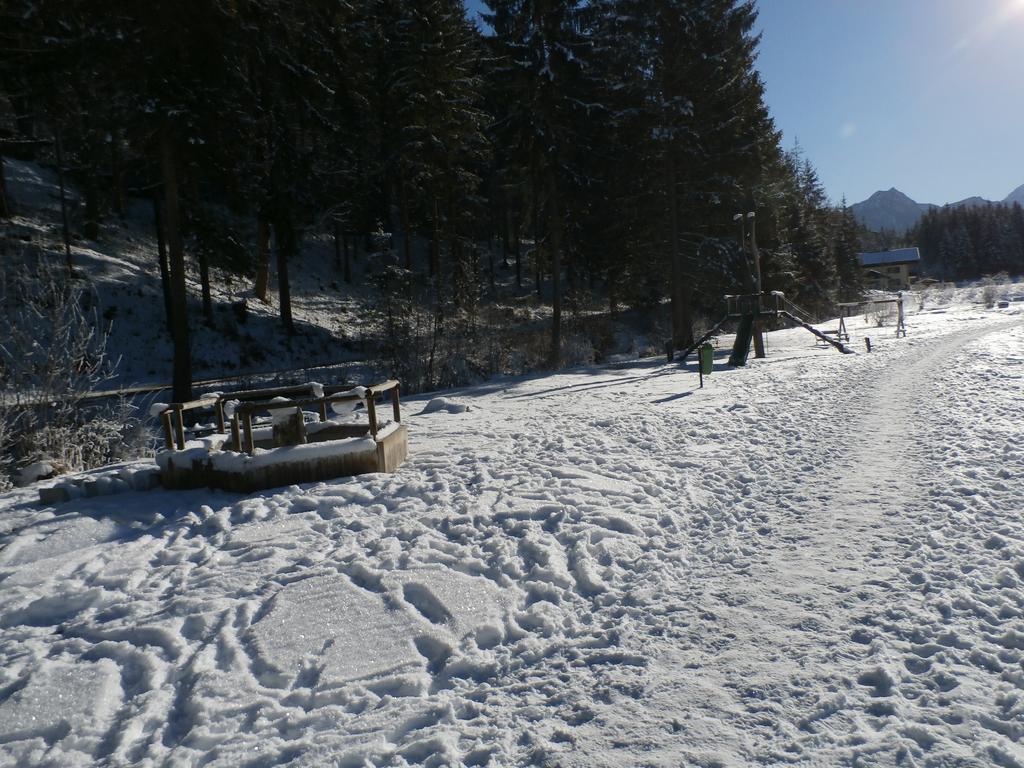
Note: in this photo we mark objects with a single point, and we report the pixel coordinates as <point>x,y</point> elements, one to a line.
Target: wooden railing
<point>262,401</point>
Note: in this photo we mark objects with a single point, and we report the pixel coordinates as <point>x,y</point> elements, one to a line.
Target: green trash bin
<point>707,358</point>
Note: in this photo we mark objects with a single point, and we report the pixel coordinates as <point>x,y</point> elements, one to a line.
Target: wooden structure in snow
<point>851,308</point>
<point>240,453</point>
<point>748,309</point>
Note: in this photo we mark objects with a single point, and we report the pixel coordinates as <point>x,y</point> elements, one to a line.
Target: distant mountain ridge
<point>894,210</point>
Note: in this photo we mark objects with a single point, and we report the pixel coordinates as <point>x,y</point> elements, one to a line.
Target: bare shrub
<point>994,289</point>
<point>989,295</point>
<point>942,295</point>
<point>577,349</point>
<point>52,354</point>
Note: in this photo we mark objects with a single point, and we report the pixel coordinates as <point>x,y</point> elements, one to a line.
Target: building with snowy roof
<point>890,270</point>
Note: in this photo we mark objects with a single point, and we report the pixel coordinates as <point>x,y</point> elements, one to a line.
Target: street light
<point>753,248</point>
<point>741,218</point>
<point>743,241</point>
<point>743,233</point>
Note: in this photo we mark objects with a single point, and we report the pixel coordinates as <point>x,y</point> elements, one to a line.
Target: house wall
<point>895,277</point>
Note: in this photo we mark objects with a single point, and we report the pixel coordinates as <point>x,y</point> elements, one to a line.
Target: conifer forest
<point>595,154</point>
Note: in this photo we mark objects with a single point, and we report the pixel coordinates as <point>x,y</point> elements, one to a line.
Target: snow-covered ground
<point>815,560</point>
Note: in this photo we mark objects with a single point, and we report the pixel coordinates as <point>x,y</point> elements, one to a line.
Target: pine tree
<point>541,47</point>
<point>846,248</point>
<point>436,140</point>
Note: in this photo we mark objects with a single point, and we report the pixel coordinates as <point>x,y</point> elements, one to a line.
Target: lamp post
<point>753,249</point>
<point>758,335</point>
<point>743,233</point>
<point>742,218</point>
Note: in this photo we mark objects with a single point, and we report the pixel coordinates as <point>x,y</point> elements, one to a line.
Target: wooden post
<point>323,410</point>
<point>867,343</point>
<point>236,436</point>
<point>758,341</point>
<point>179,425</point>
<point>371,411</point>
<point>394,404</point>
<point>219,408</point>
<point>165,419</point>
<point>290,429</point>
<point>250,446</point>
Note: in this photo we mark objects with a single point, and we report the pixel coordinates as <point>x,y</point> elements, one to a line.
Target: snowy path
<point>817,560</point>
<point>849,630</point>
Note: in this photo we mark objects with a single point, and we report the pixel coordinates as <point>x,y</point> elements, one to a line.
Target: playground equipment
<point>850,308</point>
<point>752,308</point>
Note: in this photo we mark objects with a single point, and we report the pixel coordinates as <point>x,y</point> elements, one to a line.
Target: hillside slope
<point>121,271</point>
<point>339,323</point>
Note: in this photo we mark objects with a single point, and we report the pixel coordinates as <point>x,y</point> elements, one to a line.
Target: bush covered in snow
<point>52,353</point>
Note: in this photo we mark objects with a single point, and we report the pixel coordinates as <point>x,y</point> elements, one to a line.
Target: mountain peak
<point>895,210</point>
<point>889,209</point>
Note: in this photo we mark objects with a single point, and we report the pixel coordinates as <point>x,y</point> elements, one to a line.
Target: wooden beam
<point>383,386</point>
<point>837,344</point>
<point>179,425</point>
<point>395,404</point>
<point>165,419</point>
<point>250,447</point>
<point>371,412</point>
<point>236,436</point>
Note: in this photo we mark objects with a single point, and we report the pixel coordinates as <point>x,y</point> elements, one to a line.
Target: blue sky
<point>923,95</point>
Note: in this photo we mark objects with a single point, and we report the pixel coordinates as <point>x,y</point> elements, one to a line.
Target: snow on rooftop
<point>897,256</point>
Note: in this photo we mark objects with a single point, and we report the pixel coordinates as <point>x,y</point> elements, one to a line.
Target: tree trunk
<point>204,281</point>
<point>66,227</point>
<point>161,249</point>
<point>337,244</point>
<point>5,205</point>
<point>435,243</point>
<point>490,267</point>
<point>536,240</point>
<point>116,175</point>
<point>506,220</point>
<point>555,229</point>
<point>519,259</point>
<point>182,377</point>
<point>404,218</point>
<point>347,256</point>
<point>682,320</point>
<point>455,264</point>
<point>285,240</point>
<point>91,227</point>
<point>262,286</point>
